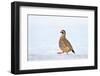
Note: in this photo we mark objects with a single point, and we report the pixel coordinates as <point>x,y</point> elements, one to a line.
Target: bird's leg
<point>67,53</point>
<point>61,52</point>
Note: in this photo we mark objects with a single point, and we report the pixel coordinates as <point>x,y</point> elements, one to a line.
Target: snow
<point>53,55</point>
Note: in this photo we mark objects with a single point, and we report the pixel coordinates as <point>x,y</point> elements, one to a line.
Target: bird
<point>64,44</point>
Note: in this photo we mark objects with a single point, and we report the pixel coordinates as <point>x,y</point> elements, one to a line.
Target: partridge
<point>64,44</point>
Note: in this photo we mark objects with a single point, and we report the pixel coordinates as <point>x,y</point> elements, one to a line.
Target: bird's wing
<point>67,43</point>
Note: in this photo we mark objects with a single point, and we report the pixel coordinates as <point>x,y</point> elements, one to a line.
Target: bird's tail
<point>73,51</point>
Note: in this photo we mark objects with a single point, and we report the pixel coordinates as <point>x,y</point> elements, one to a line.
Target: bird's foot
<point>67,53</point>
<point>60,52</point>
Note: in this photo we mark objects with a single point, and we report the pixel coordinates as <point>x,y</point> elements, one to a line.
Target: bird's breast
<point>62,44</point>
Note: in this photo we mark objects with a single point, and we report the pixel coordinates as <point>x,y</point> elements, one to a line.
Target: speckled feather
<point>65,45</point>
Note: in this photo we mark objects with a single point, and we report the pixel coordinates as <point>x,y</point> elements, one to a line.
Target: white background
<point>5,37</point>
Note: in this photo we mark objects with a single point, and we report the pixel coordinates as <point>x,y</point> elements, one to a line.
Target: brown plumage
<point>64,44</point>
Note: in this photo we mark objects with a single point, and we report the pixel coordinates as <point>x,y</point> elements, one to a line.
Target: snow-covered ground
<point>54,56</point>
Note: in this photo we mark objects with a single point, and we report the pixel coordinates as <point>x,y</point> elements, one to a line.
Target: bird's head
<point>63,32</point>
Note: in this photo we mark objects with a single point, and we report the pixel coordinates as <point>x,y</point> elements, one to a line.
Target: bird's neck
<point>63,36</point>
